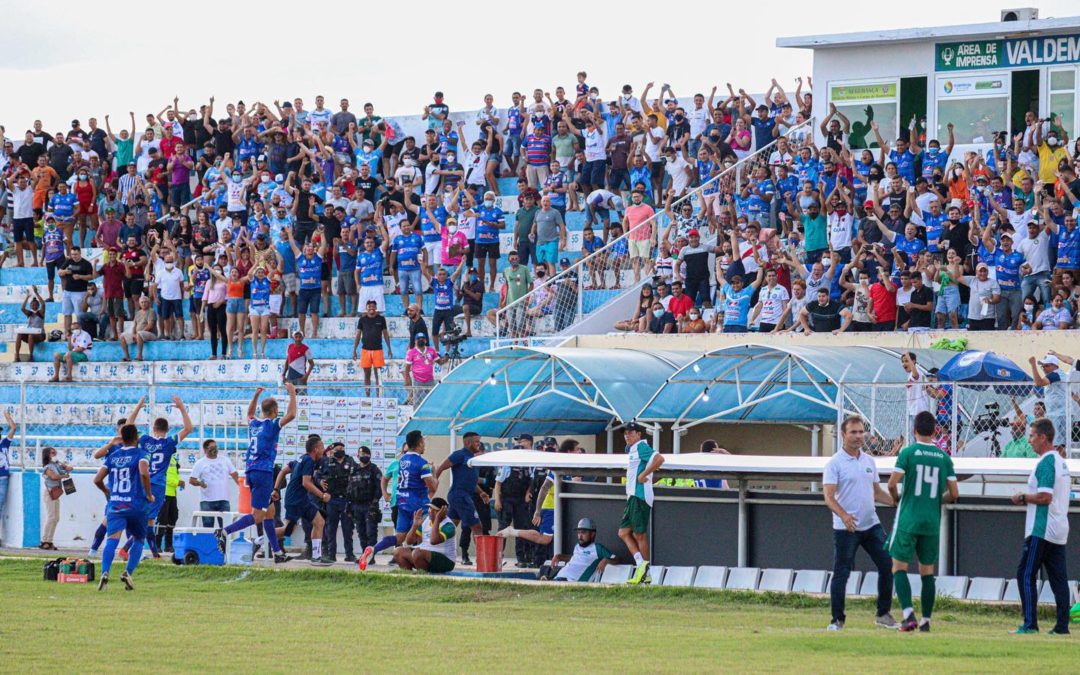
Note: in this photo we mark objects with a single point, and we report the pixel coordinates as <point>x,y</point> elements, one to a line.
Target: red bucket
<point>489,553</point>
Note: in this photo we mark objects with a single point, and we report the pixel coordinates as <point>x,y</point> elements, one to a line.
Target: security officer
<point>364,493</point>
<point>513,500</point>
<point>334,473</point>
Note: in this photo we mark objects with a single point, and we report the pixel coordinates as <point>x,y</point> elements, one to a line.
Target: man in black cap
<point>513,500</point>
<point>642,462</point>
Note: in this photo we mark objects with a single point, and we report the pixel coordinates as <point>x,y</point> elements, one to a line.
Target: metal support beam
<point>743,525</point>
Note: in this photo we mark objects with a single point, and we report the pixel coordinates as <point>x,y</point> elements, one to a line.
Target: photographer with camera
<point>363,494</point>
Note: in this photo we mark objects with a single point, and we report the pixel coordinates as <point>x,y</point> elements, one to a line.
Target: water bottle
<point>240,551</point>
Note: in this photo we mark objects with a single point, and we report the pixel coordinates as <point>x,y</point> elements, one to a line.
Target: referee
<point>1046,530</point>
<point>852,485</point>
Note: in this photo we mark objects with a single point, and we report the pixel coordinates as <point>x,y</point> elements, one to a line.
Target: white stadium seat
<point>869,584</point>
<point>852,583</point>
<point>776,580</point>
<point>1012,590</point>
<point>986,589</point>
<point>678,576</point>
<point>743,579</point>
<point>1046,595</point>
<point>809,581</point>
<point>617,574</point>
<point>656,574</point>
<point>951,587</point>
<point>710,576</point>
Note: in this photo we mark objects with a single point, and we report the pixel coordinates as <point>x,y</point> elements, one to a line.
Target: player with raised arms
<point>129,493</point>
<point>261,453</point>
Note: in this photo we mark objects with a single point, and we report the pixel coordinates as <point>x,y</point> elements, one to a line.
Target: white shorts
<point>275,304</point>
<point>368,293</point>
<point>434,252</point>
<point>640,248</point>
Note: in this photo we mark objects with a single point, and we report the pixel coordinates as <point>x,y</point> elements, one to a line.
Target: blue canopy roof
<point>777,385</point>
<point>545,391</point>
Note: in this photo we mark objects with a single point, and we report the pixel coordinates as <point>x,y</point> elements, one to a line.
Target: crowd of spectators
<point>901,236</point>
<point>229,220</point>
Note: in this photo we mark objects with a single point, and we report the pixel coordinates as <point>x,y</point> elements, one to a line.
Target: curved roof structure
<point>777,385</point>
<point>546,391</point>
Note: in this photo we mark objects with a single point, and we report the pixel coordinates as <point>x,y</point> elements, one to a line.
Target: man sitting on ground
<point>433,541</point>
<point>589,558</point>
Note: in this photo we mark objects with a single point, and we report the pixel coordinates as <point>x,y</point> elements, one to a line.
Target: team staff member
<point>929,480</point>
<point>589,558</point>
<point>852,485</point>
<point>634,527</point>
<point>1046,530</point>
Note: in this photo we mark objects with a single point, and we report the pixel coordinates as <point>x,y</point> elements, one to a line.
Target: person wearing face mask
<point>1051,154</point>
<point>334,475</point>
<point>420,362</point>
<point>363,493</point>
<point>472,298</point>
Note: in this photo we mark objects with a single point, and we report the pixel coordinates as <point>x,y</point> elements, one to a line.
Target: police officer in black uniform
<point>513,500</point>
<point>335,470</point>
<point>364,493</point>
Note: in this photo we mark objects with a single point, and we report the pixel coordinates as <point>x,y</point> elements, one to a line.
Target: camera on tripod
<point>452,335</point>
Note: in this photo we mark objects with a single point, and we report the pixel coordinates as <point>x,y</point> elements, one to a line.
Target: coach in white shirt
<point>852,485</point>
<point>212,473</point>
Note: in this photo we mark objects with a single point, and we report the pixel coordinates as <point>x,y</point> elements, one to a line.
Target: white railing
<point>513,321</point>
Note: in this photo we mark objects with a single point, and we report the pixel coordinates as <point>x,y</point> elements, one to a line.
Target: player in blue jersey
<point>159,448</point>
<point>99,534</point>
<point>261,453</point>
<point>128,470</point>
<point>416,485</point>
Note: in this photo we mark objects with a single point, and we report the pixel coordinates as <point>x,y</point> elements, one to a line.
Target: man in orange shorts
<point>43,178</point>
<point>371,333</point>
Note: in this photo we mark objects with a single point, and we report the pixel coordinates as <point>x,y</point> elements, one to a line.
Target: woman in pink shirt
<point>454,245</point>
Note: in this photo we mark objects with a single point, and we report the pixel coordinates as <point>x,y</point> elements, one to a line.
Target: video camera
<point>452,335</point>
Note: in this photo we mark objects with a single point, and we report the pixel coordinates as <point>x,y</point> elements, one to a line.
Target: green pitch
<point>205,619</point>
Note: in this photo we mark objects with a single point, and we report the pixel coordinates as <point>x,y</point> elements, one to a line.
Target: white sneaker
<point>836,626</point>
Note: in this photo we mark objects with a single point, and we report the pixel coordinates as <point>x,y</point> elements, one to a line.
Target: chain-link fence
<point>78,418</point>
<point>973,419</point>
<point>623,259</point>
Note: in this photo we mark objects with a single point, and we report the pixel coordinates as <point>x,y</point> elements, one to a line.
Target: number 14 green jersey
<point>927,471</point>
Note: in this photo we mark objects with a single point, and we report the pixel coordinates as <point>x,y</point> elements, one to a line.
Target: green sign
<point>1017,53</point>
<point>863,92</point>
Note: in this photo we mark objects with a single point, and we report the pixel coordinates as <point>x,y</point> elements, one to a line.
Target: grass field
<point>218,619</point>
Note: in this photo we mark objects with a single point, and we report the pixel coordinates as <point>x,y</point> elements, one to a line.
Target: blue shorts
<point>259,310</point>
<point>309,301</point>
<point>410,281</point>
<point>235,306</point>
<point>547,521</point>
<point>548,252</point>
<point>299,512</point>
<point>171,309</point>
<point>133,521</point>
<point>405,516</point>
<point>462,508</point>
<point>261,484</point>
<point>152,510</point>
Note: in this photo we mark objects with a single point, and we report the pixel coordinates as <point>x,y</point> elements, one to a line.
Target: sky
<point>61,59</point>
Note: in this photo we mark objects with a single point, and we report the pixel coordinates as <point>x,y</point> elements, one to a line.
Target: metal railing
<point>974,419</point>
<point>557,304</point>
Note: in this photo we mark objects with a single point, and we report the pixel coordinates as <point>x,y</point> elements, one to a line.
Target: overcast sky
<point>63,59</point>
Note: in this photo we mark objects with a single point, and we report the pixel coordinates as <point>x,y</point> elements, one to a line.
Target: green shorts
<point>440,564</point>
<point>635,516</point>
<point>78,357</point>
<point>905,546</point>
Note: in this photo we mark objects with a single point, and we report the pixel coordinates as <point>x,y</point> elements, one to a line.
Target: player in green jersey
<point>929,480</point>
